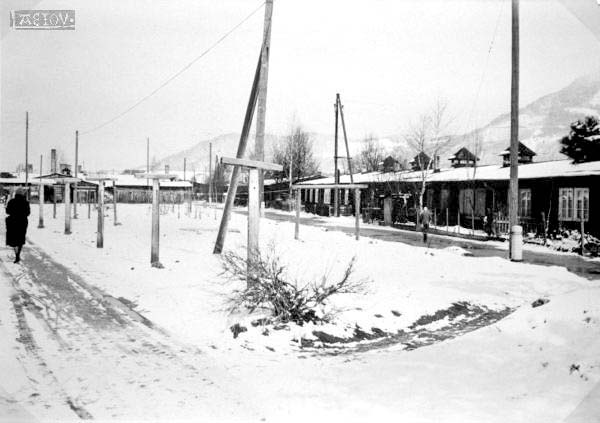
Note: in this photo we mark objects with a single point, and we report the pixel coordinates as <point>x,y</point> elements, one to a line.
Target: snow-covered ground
<point>535,365</point>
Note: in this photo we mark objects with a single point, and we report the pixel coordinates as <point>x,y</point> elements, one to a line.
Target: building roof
<point>464,154</point>
<point>551,169</point>
<point>523,151</point>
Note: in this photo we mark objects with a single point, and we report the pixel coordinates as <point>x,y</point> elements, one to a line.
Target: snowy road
<point>588,269</point>
<point>86,354</point>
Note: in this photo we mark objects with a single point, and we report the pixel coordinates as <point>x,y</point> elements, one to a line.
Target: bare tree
<point>295,149</point>
<point>371,154</point>
<point>426,139</point>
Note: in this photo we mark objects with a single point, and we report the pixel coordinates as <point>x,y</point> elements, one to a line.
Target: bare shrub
<point>271,289</point>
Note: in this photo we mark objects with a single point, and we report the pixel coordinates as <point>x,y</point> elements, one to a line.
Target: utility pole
<point>513,198</point>
<point>210,191</point>
<point>261,110</point>
<point>336,175</point>
<point>76,166</point>
<point>147,160</point>
<point>27,153</point>
<point>41,196</point>
<point>184,166</point>
<point>341,111</point>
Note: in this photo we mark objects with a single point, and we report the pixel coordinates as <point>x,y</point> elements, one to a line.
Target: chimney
<point>53,160</point>
<point>436,164</point>
<point>166,169</point>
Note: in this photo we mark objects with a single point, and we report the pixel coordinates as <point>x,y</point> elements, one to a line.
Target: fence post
<point>582,233</point>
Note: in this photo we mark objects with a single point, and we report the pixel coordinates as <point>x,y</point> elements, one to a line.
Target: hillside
<point>541,125</point>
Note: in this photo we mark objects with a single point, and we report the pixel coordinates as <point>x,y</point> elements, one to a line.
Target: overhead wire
<point>176,74</point>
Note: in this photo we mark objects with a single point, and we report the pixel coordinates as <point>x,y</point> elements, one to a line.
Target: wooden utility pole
<point>76,166</point>
<point>513,199</point>
<point>210,176</point>
<point>184,167</point>
<point>114,184</point>
<point>259,146</point>
<point>27,154</point>
<point>341,111</point>
<point>228,207</point>
<point>100,233</point>
<point>41,196</point>
<point>147,160</point>
<point>336,174</point>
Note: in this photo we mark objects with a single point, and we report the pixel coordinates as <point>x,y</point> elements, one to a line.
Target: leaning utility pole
<point>76,166</point>
<point>341,111</point>
<point>232,189</point>
<point>513,198</point>
<point>259,145</point>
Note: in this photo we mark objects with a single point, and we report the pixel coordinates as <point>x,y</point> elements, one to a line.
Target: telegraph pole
<point>336,175</point>
<point>261,110</point>
<point>76,166</point>
<point>513,199</point>
<point>27,153</point>
<point>210,187</point>
<point>184,167</point>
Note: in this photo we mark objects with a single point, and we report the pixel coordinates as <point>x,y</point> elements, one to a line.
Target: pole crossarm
<point>66,180</point>
<point>251,164</point>
<point>330,186</point>
<point>163,176</point>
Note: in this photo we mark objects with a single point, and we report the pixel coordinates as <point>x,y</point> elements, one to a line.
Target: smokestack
<point>53,160</point>
<point>166,169</point>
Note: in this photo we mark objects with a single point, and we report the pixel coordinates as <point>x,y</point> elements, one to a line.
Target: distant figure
<point>489,222</point>
<point>17,210</point>
<point>425,221</point>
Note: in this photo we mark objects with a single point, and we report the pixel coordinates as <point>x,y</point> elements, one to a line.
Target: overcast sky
<point>389,60</point>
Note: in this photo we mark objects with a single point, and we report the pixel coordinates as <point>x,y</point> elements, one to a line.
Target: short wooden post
<point>435,218</point>
<point>115,202</point>
<point>54,187</point>
<point>253,222</point>
<point>582,233</point>
<point>357,212</point>
<point>458,220</point>
<point>89,204</point>
<point>100,233</point>
<point>67,208</point>
<point>298,205</point>
<point>41,200</point>
<point>154,262</point>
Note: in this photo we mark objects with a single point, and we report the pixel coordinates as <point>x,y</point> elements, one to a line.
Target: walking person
<point>17,210</point>
<point>425,221</point>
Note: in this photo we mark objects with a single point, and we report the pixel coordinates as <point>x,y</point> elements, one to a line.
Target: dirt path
<point>85,351</point>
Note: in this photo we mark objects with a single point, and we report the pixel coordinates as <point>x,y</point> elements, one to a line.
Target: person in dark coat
<point>425,221</point>
<point>17,210</point>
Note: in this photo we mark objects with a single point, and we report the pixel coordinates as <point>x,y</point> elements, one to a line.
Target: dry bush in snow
<point>287,301</point>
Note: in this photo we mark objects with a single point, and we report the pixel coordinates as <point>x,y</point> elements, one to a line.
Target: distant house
<point>463,158</point>
<point>525,155</point>
<point>390,164</point>
<point>420,161</point>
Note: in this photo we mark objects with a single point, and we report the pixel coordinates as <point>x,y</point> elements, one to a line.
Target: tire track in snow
<point>104,359</point>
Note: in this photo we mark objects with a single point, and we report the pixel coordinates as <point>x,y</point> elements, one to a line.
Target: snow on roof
<point>133,181</point>
<point>556,168</point>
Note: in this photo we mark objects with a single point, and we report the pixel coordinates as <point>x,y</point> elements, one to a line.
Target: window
<point>573,203</point>
<point>444,199</point>
<point>465,200</point>
<point>480,202</point>
<point>327,196</point>
<point>525,202</point>
<point>582,204</point>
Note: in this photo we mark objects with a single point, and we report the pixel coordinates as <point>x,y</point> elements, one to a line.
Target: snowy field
<point>537,364</point>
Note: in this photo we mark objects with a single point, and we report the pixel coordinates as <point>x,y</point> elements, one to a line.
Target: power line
<point>176,74</point>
